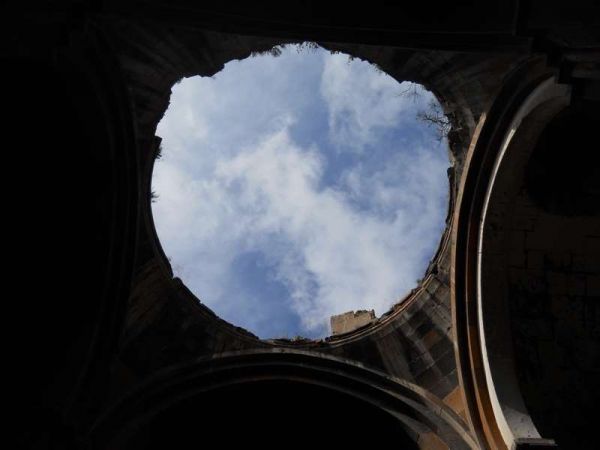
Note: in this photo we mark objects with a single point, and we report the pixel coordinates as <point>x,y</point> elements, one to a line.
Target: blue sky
<point>296,187</point>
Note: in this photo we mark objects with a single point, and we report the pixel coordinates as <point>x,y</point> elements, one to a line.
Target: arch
<point>80,226</point>
<point>494,328</point>
<point>493,130</point>
<point>423,417</point>
<point>501,237</point>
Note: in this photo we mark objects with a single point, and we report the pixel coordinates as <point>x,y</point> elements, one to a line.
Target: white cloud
<point>355,260</point>
<point>362,100</point>
<point>346,255</point>
<point>234,184</point>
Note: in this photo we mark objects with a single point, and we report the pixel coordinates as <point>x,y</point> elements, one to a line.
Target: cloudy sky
<point>296,187</point>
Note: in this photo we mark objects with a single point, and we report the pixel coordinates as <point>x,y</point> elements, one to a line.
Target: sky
<point>296,187</point>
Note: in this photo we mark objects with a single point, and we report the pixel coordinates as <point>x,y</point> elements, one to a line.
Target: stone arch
<point>418,418</point>
<point>80,223</point>
<point>505,285</point>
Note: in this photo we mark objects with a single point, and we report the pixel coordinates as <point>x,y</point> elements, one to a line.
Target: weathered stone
<point>350,321</point>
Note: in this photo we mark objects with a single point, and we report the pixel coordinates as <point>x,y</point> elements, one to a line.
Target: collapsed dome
<point>300,184</point>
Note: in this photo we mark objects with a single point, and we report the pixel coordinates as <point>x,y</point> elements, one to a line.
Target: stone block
<point>351,320</point>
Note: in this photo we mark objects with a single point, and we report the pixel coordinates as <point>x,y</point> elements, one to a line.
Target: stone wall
<point>350,321</point>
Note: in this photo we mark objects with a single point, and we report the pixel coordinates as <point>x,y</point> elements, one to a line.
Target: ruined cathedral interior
<point>497,347</point>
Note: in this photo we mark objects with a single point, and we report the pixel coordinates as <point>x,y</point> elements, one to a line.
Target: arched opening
<point>534,216</point>
<point>85,212</point>
<point>497,256</point>
<point>553,284</point>
<point>272,415</point>
<point>260,397</point>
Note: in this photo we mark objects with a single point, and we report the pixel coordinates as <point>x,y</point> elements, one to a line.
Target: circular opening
<point>299,184</point>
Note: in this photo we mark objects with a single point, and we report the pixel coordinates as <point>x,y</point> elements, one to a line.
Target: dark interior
<point>271,415</point>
